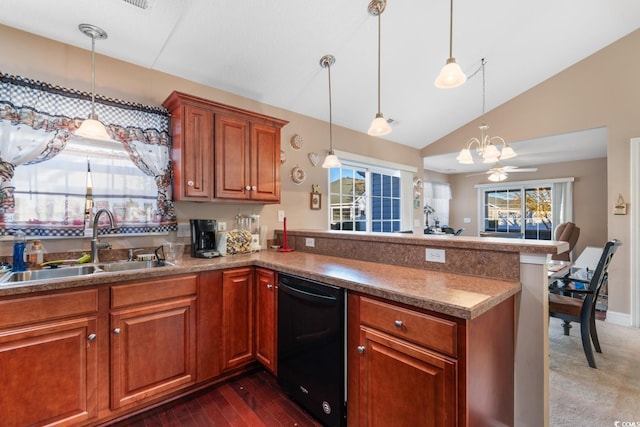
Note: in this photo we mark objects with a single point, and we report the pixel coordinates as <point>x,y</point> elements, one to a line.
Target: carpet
<point>583,396</point>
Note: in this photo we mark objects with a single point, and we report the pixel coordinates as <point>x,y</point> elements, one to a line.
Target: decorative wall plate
<point>296,142</point>
<point>283,157</point>
<point>298,175</point>
<point>314,158</point>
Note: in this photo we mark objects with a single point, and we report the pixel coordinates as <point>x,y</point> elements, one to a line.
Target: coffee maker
<point>203,238</point>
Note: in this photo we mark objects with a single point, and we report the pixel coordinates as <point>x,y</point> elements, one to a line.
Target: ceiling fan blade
<point>524,170</point>
<point>479,173</point>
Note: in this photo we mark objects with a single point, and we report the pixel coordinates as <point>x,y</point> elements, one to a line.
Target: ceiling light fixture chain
<point>331,161</point>
<point>379,126</point>
<point>486,144</point>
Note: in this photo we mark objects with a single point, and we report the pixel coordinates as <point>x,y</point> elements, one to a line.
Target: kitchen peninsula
<point>477,278</point>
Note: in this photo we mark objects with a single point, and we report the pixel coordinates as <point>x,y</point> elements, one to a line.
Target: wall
<point>589,193</point>
<point>601,90</point>
<point>34,57</point>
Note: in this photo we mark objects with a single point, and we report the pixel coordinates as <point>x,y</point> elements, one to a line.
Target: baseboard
<point>616,318</point>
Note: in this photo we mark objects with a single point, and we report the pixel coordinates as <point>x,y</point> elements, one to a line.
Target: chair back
<point>601,273</point>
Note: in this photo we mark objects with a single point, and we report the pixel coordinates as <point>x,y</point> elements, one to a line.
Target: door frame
<point>635,232</point>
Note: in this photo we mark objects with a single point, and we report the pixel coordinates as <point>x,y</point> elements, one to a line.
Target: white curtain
<point>562,202</point>
<point>436,198</point>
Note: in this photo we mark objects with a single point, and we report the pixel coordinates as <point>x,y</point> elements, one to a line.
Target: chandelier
<point>486,145</point>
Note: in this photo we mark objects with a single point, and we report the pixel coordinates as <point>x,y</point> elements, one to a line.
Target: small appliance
<point>203,238</point>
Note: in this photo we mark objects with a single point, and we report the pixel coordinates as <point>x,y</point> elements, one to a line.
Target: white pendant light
<point>331,161</point>
<point>451,75</point>
<point>379,126</point>
<point>92,128</point>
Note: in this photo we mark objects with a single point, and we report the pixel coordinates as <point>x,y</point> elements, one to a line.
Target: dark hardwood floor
<point>252,400</point>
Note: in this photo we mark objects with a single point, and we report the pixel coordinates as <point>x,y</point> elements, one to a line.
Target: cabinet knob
<point>254,188</point>
<point>398,323</point>
<point>248,188</point>
<point>116,331</point>
<point>189,183</point>
<point>360,349</point>
<point>92,337</point>
<point>269,286</point>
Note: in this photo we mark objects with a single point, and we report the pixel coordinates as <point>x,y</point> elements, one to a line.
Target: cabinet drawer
<point>153,290</point>
<point>47,307</point>
<point>429,331</point>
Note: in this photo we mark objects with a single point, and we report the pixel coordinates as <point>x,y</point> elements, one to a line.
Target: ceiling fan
<point>500,173</point>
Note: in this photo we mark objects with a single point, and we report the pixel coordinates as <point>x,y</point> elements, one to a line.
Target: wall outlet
<point>280,216</point>
<point>183,229</point>
<point>222,226</point>
<point>467,220</point>
<point>310,242</point>
<point>435,255</point>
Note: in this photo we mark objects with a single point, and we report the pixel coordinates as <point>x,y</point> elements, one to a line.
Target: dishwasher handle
<point>308,296</point>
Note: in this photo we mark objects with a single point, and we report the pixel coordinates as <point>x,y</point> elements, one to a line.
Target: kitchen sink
<point>78,270</point>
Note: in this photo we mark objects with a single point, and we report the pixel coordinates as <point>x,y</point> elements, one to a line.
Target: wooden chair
<point>574,300</point>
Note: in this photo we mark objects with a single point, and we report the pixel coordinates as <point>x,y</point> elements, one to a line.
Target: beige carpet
<point>583,396</point>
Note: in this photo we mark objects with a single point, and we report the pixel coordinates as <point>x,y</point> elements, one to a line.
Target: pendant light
<point>331,161</point>
<point>91,128</point>
<point>451,75</point>
<point>379,126</point>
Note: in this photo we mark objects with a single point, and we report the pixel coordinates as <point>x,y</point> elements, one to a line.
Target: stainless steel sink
<point>54,273</point>
<point>110,267</point>
<point>78,270</point>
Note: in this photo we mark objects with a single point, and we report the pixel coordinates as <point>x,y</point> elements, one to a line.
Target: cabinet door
<point>266,318</point>
<point>231,158</point>
<point>48,373</point>
<point>237,317</point>
<point>402,384</point>
<point>265,163</point>
<point>194,172</point>
<point>152,350</point>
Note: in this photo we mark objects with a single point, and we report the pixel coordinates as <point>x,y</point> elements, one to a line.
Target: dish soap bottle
<point>36,256</point>
<point>19,243</point>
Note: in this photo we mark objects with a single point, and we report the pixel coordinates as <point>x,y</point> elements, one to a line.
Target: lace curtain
<point>43,166</point>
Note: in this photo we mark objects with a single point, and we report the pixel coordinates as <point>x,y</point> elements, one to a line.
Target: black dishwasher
<point>311,357</point>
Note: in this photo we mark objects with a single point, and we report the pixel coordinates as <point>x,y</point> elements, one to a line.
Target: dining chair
<point>573,299</point>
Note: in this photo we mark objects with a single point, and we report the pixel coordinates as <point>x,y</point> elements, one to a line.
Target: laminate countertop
<point>458,295</point>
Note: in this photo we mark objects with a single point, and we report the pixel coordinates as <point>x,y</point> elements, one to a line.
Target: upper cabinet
<point>223,152</point>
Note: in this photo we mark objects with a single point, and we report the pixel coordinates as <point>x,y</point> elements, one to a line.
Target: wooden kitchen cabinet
<point>153,338</point>
<point>237,318</point>
<point>410,367</point>
<point>222,152</point>
<point>266,318</point>
<point>49,359</point>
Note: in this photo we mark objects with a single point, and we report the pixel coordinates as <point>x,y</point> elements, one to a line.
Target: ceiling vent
<point>141,4</point>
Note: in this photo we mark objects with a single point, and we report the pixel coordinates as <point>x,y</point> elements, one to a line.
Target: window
<point>436,203</point>
<point>529,210</point>
<point>364,198</point>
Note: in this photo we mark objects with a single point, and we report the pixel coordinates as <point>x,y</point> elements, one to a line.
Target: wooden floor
<point>253,400</point>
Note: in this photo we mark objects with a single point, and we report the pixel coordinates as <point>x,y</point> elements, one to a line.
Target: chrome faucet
<point>95,246</point>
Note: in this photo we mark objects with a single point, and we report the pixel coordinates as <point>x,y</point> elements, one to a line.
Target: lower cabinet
<point>49,359</point>
<point>237,318</point>
<point>266,318</point>
<point>153,338</point>
<point>408,367</point>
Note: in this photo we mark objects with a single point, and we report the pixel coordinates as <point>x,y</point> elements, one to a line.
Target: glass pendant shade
<point>331,161</point>
<point>451,75</point>
<point>465,157</point>
<point>92,129</point>
<point>490,154</point>
<point>379,126</point>
<point>507,153</point>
